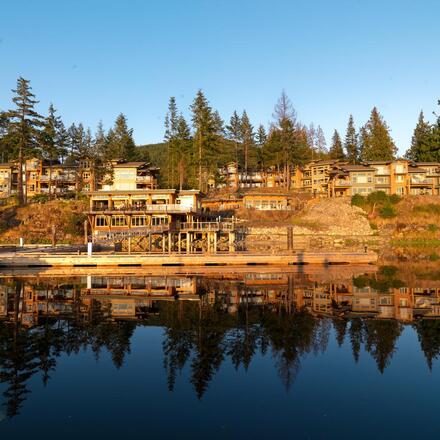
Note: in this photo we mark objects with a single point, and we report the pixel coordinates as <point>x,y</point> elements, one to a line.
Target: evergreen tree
<point>24,123</point>
<point>247,138</point>
<point>376,141</point>
<point>435,135</point>
<point>52,140</point>
<point>261,140</point>
<point>311,139</point>
<point>233,131</point>
<point>336,150</point>
<point>171,123</point>
<point>183,150</point>
<point>287,140</point>
<point>320,142</point>
<point>206,127</point>
<point>120,143</point>
<point>421,149</point>
<point>351,142</point>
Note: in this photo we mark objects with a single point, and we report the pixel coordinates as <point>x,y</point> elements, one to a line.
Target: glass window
<point>118,220</point>
<point>101,220</point>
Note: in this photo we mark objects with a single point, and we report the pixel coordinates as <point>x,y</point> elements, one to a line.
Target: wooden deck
<point>173,260</point>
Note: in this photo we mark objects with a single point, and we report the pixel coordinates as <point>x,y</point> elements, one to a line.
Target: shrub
<point>378,197</point>
<point>40,198</point>
<point>432,228</point>
<point>387,211</point>
<point>433,257</point>
<point>373,226</point>
<point>394,198</point>
<point>358,200</point>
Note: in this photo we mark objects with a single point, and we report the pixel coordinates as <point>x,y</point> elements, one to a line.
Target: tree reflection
<point>198,336</point>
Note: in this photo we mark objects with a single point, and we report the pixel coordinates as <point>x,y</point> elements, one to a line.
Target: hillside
<point>37,222</point>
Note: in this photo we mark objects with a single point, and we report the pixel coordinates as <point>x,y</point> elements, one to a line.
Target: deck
<point>41,259</point>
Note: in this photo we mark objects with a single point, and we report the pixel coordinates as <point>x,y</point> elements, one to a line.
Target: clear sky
<point>94,59</point>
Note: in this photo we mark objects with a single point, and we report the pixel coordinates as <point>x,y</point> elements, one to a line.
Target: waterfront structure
<point>157,220</point>
<point>267,201</point>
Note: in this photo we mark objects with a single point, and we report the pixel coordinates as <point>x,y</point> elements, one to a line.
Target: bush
<point>378,197</point>
<point>432,228</point>
<point>358,200</point>
<point>387,211</point>
<point>40,198</point>
<point>373,226</point>
<point>394,198</point>
<point>433,257</point>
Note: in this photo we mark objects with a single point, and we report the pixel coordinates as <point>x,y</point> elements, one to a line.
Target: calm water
<point>342,353</point>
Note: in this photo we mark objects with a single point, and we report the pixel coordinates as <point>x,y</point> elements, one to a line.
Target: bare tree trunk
<point>200,161</point>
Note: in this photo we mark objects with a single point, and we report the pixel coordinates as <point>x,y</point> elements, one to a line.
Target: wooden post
<point>179,244</point>
<point>215,242</point>
<point>289,238</point>
<point>231,242</point>
<point>86,238</point>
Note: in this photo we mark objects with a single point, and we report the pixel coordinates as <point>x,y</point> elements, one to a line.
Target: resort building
<point>156,220</point>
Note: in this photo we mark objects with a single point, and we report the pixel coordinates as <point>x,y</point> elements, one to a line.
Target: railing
<point>144,179</point>
<point>206,226</point>
<point>148,208</point>
<point>421,181</point>
<point>117,235</point>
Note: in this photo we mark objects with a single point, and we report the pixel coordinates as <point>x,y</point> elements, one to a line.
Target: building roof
<point>416,169</point>
<point>130,165</point>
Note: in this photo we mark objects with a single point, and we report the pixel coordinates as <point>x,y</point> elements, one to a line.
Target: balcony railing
<point>207,226</point>
<point>172,207</point>
<point>144,179</point>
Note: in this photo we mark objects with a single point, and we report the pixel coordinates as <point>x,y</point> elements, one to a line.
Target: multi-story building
<point>128,176</point>
<point>44,177</point>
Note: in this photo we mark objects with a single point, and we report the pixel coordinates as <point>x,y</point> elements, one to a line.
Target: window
<point>399,178</point>
<point>86,175</point>
<point>139,220</point>
<point>159,220</point>
<point>118,220</point>
<point>101,220</point>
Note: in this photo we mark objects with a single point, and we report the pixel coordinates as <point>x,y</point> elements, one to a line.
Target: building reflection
<point>208,320</point>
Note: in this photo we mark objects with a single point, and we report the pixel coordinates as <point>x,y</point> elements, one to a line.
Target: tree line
<point>193,150</point>
<point>25,133</point>
<point>196,150</point>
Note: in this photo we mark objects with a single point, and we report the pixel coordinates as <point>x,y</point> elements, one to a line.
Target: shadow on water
<point>207,320</point>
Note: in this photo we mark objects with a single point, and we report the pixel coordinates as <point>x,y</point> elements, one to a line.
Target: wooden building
<point>156,220</point>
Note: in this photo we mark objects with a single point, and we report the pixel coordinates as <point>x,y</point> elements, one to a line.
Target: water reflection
<point>207,319</point>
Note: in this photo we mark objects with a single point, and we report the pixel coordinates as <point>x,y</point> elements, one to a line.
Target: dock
<point>42,259</point>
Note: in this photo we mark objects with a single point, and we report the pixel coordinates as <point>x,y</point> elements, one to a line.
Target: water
<point>245,354</point>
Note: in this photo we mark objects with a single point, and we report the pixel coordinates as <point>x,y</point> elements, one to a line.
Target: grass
<point>416,242</point>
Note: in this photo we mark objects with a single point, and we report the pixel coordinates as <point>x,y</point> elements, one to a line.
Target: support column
<point>231,242</point>
<point>179,242</point>
<point>215,242</point>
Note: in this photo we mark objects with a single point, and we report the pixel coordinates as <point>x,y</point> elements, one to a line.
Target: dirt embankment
<point>41,222</point>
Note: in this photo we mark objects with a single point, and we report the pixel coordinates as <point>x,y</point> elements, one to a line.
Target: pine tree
<point>120,143</point>
<point>376,141</point>
<point>247,138</point>
<point>336,150</point>
<point>421,149</point>
<point>311,139</point>
<point>205,136</point>
<point>351,142</point>
<point>233,131</point>
<point>24,123</point>
<point>320,142</point>
<point>435,135</point>
<point>52,140</point>
<point>261,139</point>
<point>171,123</point>
<point>183,149</point>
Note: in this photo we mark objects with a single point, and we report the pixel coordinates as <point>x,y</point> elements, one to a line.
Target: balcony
<point>207,226</point>
<point>424,182</point>
<point>171,208</point>
<point>144,179</point>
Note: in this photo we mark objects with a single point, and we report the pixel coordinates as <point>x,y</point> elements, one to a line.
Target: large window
<point>118,220</point>
<point>139,220</point>
<point>159,220</point>
<point>101,220</point>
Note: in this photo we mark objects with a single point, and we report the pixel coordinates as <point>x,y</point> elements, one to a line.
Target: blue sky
<point>94,59</point>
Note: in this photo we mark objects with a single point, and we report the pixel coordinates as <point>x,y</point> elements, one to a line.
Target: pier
<point>44,259</point>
